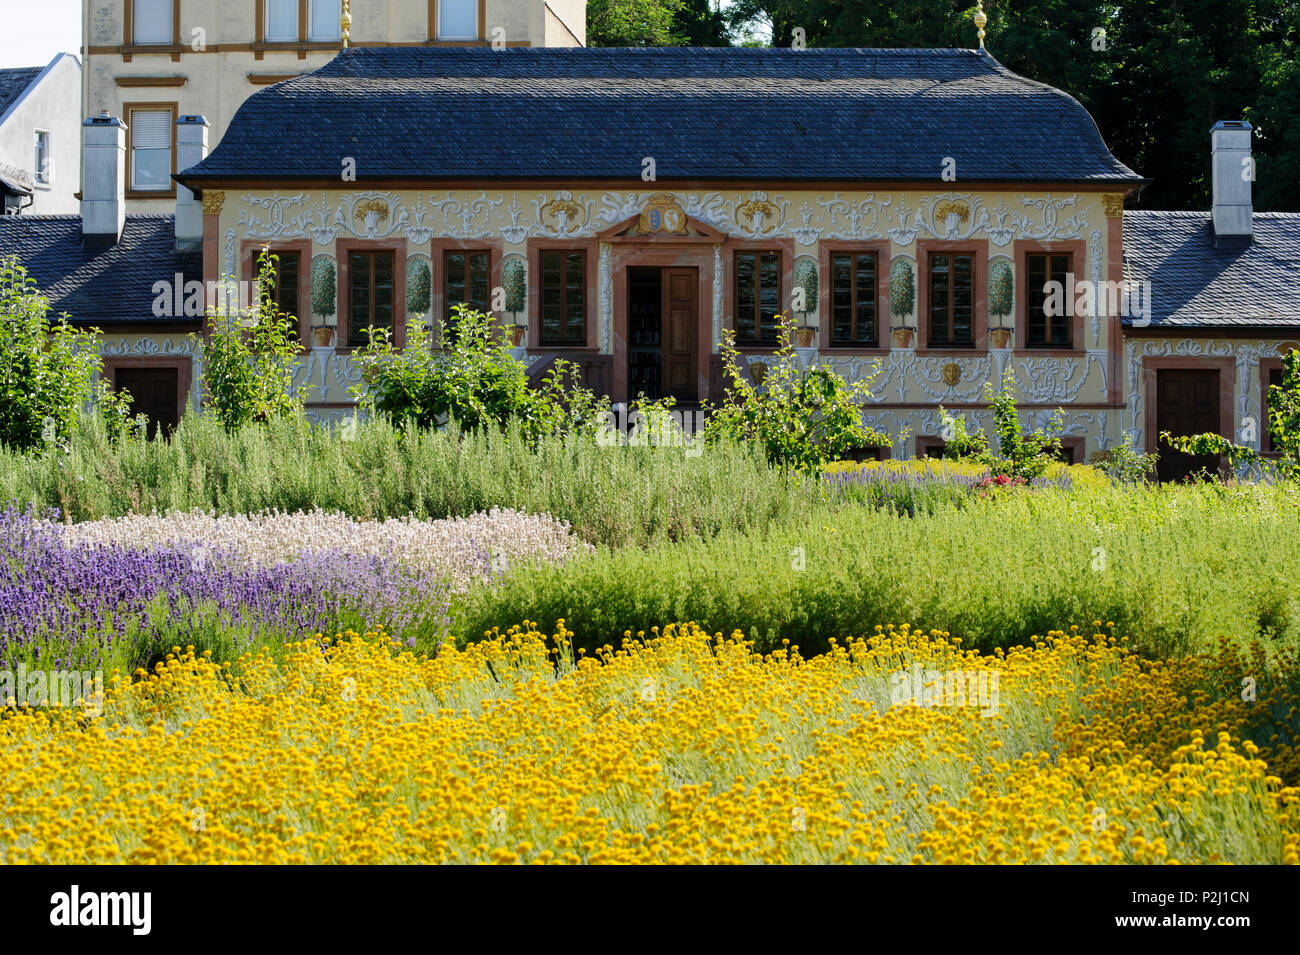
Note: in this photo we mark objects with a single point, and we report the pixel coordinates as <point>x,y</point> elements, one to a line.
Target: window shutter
<point>151,129</point>
<point>324,20</point>
<point>151,145</point>
<point>458,19</point>
<point>281,20</point>
<point>153,21</point>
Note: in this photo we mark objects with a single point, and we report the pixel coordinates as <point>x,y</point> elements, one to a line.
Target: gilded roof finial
<point>345,22</point>
<point>981,20</point>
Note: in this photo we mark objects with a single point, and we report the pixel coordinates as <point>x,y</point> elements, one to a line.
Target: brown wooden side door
<point>1187,403</point>
<point>681,333</point>
<point>154,393</point>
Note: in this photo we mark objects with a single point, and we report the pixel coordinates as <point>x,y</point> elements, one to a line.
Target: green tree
<point>632,22</point>
<point>872,23</point>
<point>1155,76</point>
<point>249,358</point>
<point>48,368</point>
<point>701,23</point>
<point>1276,118</point>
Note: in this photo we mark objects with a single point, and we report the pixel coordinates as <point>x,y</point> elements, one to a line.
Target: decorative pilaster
<point>214,200</point>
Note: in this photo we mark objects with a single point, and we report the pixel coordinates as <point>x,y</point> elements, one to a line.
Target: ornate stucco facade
<point>1242,363</point>
<point>909,380</point>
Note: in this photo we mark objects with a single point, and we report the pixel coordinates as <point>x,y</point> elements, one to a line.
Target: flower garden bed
<point>684,748</point>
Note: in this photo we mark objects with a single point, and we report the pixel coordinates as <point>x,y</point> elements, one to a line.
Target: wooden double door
<point>1187,403</point>
<point>663,333</point>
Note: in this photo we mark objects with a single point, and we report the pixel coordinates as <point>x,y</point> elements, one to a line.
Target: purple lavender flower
<point>78,602</point>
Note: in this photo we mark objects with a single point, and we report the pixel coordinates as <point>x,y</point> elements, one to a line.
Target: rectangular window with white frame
<point>151,21</point>
<point>323,23</point>
<point>150,133</point>
<point>44,163</point>
<point>458,20</point>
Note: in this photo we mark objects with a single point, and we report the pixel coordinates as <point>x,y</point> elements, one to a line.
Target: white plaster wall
<point>515,18</point>
<point>565,23</point>
<point>53,104</point>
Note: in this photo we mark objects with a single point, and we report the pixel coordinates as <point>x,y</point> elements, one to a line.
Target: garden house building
<point>908,211</point>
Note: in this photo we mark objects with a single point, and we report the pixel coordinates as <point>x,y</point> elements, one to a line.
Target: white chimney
<point>103,194</point>
<point>191,149</point>
<point>1233,171</point>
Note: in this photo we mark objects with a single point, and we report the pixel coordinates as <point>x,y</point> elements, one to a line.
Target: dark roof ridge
<point>429,113</point>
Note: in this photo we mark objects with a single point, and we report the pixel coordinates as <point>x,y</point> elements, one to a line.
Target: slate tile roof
<point>13,177</point>
<point>13,82</point>
<point>1196,284</point>
<point>102,285</point>
<point>774,114</point>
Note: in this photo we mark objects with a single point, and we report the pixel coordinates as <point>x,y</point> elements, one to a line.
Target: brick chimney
<point>1233,171</point>
<point>103,194</point>
<point>191,149</point>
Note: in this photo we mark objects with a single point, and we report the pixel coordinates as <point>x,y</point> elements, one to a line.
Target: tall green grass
<point>1173,568</point>
<point>629,496</point>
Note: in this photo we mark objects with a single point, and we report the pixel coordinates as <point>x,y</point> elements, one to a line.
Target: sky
<point>46,27</point>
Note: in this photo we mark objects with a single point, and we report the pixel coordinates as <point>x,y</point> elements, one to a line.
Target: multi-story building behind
<point>40,137</point>
<point>150,62</point>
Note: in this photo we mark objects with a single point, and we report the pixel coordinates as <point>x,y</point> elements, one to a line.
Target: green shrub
<point>249,358</point>
<point>801,419</point>
<point>1124,463</point>
<point>618,496</point>
<point>474,381</point>
<point>323,286</point>
<point>1019,455</point>
<point>1172,568</point>
<point>418,286</point>
<point>805,278</point>
<point>1283,425</point>
<point>1002,288</point>
<point>514,278</point>
<point>48,369</point>
<point>902,289</point>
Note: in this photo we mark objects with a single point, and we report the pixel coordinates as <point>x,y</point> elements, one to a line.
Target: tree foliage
<point>249,358</point>
<point>656,23</point>
<point>48,369</point>
<point>1155,76</point>
<point>632,22</point>
<point>801,419</point>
